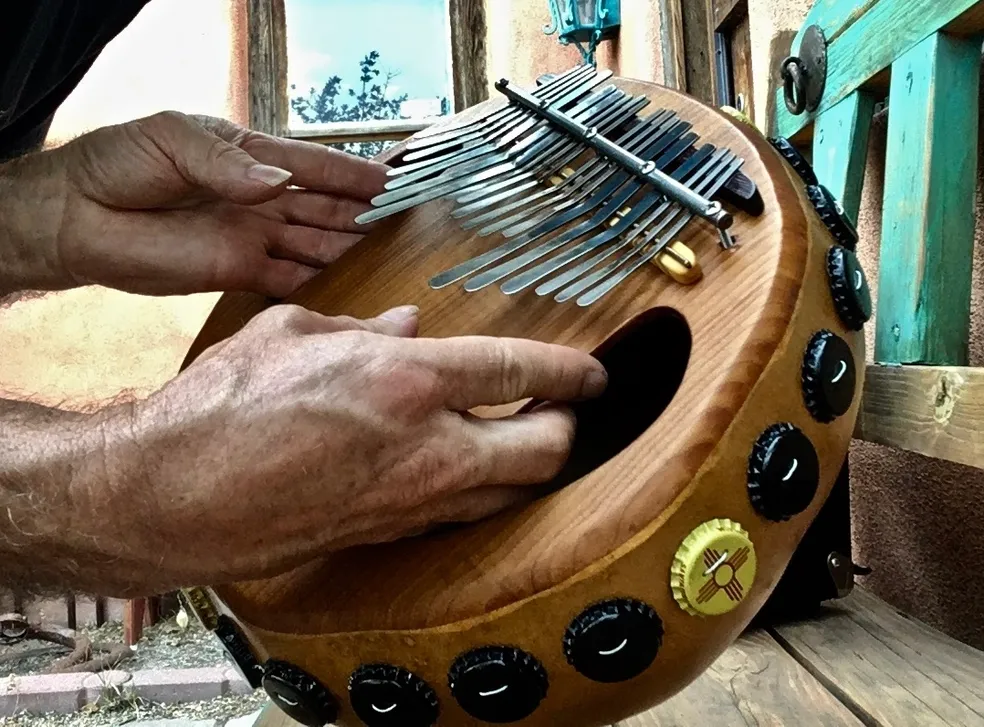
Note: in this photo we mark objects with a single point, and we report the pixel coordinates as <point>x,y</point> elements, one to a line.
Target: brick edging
<point>67,693</point>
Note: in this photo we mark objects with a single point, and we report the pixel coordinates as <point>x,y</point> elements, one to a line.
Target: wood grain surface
<point>521,578</point>
<point>894,669</point>
<point>755,682</point>
<point>937,411</point>
<point>511,557</point>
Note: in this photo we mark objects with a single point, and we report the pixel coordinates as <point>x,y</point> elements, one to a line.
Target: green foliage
<point>369,102</point>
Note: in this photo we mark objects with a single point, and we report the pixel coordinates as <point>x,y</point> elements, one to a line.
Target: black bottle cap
<point>299,695</point>
<point>829,376</point>
<point>783,472</point>
<point>849,287</point>
<point>238,651</point>
<point>796,160</point>
<point>614,641</point>
<point>389,696</point>
<point>833,216</point>
<point>498,684</point>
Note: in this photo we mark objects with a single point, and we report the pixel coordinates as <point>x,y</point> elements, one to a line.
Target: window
<point>364,74</point>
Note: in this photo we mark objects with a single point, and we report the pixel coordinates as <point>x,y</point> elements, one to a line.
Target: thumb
<point>208,161</point>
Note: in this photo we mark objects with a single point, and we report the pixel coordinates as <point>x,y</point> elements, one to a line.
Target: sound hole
<point>646,362</point>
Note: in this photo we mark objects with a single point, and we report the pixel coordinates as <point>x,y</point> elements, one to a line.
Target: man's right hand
<point>303,434</point>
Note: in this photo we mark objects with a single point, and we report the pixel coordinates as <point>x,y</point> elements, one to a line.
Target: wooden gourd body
<point>521,578</point>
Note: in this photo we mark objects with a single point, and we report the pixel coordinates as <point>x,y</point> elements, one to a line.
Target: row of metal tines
<point>511,172</point>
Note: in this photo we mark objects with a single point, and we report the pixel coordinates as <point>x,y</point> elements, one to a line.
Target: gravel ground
<point>163,646</point>
<point>116,713</point>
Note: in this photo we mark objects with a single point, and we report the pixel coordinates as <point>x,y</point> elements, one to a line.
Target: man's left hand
<point>175,204</point>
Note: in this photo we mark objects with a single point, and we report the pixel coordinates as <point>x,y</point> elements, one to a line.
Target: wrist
<point>32,205</point>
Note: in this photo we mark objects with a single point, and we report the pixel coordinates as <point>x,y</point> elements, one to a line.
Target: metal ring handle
<point>794,85</point>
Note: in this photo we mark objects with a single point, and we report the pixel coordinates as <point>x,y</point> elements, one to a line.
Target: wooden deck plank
<point>755,682</point>
<point>924,278</point>
<point>890,666</point>
<point>936,411</point>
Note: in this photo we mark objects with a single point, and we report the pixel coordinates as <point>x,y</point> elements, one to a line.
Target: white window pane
<point>404,44</point>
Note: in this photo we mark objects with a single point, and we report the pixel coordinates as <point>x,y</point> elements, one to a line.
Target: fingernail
<point>271,176</point>
<point>595,383</point>
<point>398,315</point>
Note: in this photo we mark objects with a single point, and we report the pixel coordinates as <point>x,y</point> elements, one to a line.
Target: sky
<point>331,37</point>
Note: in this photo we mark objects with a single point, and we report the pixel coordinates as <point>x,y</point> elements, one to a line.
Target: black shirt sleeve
<point>46,47</point>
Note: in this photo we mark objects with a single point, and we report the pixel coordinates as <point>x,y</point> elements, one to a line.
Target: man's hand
<point>304,434</point>
<point>174,204</point>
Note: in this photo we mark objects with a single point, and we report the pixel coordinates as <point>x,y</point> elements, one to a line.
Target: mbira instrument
<point>704,265</point>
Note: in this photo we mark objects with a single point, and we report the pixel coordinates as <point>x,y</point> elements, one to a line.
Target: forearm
<point>54,503</point>
<point>32,200</point>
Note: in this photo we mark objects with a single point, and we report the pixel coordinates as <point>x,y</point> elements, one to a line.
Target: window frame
<point>268,97</point>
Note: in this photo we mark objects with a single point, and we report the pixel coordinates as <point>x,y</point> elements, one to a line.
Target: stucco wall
<point>917,521</point>
<point>82,347</point>
<point>519,50</point>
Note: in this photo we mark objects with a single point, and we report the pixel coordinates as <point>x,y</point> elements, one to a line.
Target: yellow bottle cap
<point>714,569</point>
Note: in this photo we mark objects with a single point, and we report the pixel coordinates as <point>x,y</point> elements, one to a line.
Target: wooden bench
<point>859,662</point>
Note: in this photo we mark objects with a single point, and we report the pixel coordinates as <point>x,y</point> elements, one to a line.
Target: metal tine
<point>517,115</point>
<point>575,89</point>
<point>587,199</point>
<point>598,166</point>
<point>429,136</point>
<point>508,132</point>
<point>613,196</point>
<point>520,223</point>
<point>478,199</point>
<point>431,166</point>
<point>627,221</point>
<point>690,167</point>
<point>461,172</point>
<point>537,163</point>
<point>543,163</point>
<point>596,293</point>
<point>602,219</point>
<point>598,197</point>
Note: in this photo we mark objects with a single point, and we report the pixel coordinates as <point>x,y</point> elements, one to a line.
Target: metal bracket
<point>842,571</point>
<point>804,77</point>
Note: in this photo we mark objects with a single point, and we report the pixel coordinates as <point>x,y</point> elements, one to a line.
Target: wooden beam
<point>840,149</point>
<point>468,52</point>
<point>727,13</point>
<point>674,60</point>
<point>936,411</point>
<point>741,65</point>
<point>267,61</point>
<point>927,242</point>
<point>356,131</point>
<point>698,50</point>
<point>865,41</point>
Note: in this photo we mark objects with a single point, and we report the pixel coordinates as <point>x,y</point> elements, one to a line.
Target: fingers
<point>525,449</point>
<point>478,370</point>
<point>310,246</point>
<point>208,161</point>
<point>320,168</point>
<point>401,321</point>
<point>323,211</point>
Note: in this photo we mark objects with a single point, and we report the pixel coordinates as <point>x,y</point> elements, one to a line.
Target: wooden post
<point>840,149</point>
<point>133,620</point>
<point>468,53</point>
<point>923,309</point>
<point>268,98</point>
<point>70,612</point>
